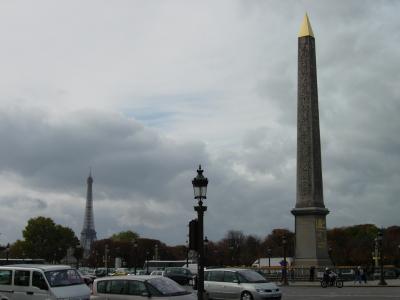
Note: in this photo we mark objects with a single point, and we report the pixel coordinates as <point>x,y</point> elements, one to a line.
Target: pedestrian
<point>363,275</point>
<point>312,273</point>
<point>357,275</point>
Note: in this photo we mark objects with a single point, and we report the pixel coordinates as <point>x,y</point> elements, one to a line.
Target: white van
<point>41,282</point>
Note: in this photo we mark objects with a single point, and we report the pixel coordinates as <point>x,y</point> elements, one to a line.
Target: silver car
<point>138,287</point>
<point>240,284</point>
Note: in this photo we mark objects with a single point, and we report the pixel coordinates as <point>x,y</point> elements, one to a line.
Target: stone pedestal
<point>311,243</point>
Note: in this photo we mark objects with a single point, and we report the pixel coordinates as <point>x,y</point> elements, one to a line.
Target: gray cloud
<point>145,92</point>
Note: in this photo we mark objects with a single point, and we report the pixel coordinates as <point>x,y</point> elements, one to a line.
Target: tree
<point>44,239</point>
<point>274,242</point>
<point>352,245</point>
<point>18,249</point>
<point>125,236</point>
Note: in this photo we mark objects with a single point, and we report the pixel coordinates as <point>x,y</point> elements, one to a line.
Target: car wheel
<point>246,296</point>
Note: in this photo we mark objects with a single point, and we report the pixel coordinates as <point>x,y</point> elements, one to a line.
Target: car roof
<point>37,266</point>
<point>129,277</point>
<point>229,269</point>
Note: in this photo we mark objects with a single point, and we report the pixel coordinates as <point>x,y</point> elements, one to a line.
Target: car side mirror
<point>236,281</point>
<point>146,294</point>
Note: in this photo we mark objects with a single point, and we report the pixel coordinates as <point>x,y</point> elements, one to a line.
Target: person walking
<point>312,273</point>
<point>363,275</point>
<point>357,275</point>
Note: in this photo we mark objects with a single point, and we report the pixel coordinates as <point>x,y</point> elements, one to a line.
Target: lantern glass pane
<point>204,191</point>
<point>197,191</point>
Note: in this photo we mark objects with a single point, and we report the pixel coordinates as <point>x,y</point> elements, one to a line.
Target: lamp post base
<point>382,282</point>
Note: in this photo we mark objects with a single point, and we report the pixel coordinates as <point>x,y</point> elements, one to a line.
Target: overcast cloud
<point>144,91</point>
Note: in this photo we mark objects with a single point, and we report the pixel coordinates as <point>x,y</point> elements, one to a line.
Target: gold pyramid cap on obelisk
<point>305,29</point>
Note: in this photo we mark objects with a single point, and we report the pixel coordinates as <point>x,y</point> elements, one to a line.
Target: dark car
<point>182,276</point>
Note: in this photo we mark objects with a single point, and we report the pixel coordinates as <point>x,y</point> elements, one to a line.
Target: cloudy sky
<point>144,91</point>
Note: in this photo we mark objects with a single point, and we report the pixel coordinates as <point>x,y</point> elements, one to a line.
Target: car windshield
<point>251,277</point>
<point>64,277</point>
<point>166,286</point>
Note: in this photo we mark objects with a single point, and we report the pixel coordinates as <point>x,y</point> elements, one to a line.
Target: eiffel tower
<point>88,234</point>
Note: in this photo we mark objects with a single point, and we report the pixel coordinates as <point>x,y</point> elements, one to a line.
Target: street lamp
<point>231,248</point>
<point>200,191</point>
<point>187,254</point>
<point>147,262</point>
<point>78,254</point>
<point>330,255</point>
<point>106,250</point>
<point>284,269</point>
<point>156,252</point>
<point>205,250</point>
<point>380,243</point>
<point>135,251</point>
<point>269,252</point>
<point>7,251</point>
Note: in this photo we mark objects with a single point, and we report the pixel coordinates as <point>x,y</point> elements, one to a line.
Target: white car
<point>241,284</point>
<point>139,287</point>
<point>41,282</point>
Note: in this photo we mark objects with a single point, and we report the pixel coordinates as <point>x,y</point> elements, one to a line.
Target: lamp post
<point>284,269</point>
<point>7,251</point>
<point>398,248</point>
<point>200,191</point>
<point>135,251</point>
<point>376,253</point>
<point>205,250</point>
<point>106,250</point>
<point>147,262</point>
<point>78,254</point>
<point>269,252</point>
<point>156,252</point>
<point>94,255</point>
<point>380,243</point>
<point>330,255</point>
<point>187,254</point>
<point>231,248</point>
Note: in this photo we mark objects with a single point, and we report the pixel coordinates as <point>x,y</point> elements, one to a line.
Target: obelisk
<point>310,212</point>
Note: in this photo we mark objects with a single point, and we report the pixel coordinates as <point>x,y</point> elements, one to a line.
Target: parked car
<point>120,272</point>
<point>182,276</point>
<point>87,278</point>
<point>388,274</point>
<point>141,272</point>
<point>135,287</point>
<point>243,284</point>
<point>157,273</point>
<point>41,282</point>
<point>346,274</point>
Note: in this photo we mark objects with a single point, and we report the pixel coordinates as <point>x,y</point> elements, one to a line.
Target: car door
<point>137,290</point>
<point>117,290</point>
<point>22,289</point>
<point>232,288</point>
<point>39,289</point>
<point>6,287</point>
<point>213,284</point>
